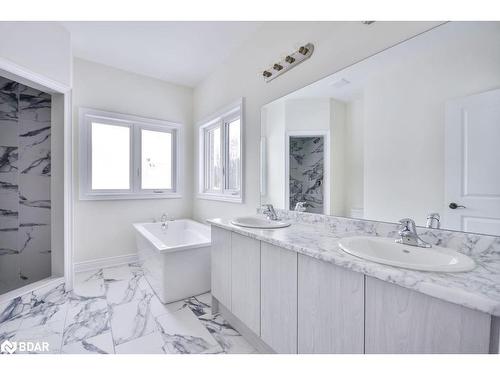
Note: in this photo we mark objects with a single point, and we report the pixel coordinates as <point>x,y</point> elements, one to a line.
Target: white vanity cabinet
<point>286,302</point>
<point>330,308</point>
<point>399,320</point>
<point>245,280</point>
<point>279,298</point>
<point>221,265</point>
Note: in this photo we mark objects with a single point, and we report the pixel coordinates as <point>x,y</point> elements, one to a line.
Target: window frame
<point>222,119</point>
<point>135,124</point>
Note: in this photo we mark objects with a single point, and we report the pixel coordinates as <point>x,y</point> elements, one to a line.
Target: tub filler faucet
<point>163,220</point>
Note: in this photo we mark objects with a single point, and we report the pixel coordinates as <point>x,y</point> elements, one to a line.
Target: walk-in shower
<point>25,185</point>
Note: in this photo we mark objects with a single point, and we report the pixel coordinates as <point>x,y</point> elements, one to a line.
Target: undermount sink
<point>386,251</point>
<point>258,222</point>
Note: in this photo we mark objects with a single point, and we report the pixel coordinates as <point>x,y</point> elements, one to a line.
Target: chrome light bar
<point>289,62</point>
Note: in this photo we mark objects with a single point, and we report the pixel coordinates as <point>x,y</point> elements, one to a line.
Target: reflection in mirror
<point>413,131</point>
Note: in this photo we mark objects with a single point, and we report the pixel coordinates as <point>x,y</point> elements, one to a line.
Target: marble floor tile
<point>149,344</point>
<point>81,277</point>
<point>136,268</point>
<point>101,344</point>
<point>117,273</point>
<point>114,310</point>
<point>44,313</point>
<point>198,305</point>
<point>183,333</point>
<point>8,329</point>
<point>51,294</point>
<point>227,337</point>
<point>90,288</point>
<point>123,291</point>
<point>206,298</point>
<point>132,320</point>
<point>16,308</point>
<point>50,333</point>
<point>158,308</point>
<point>86,318</point>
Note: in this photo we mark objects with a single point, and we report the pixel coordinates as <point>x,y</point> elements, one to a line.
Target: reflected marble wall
<point>25,119</point>
<point>307,173</point>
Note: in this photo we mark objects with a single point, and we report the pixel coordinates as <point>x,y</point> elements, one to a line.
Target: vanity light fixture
<point>289,62</point>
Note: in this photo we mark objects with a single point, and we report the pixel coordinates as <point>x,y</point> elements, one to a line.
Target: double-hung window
<point>128,157</point>
<point>220,150</point>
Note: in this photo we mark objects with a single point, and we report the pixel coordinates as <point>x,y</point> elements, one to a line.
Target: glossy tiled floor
<point>114,310</point>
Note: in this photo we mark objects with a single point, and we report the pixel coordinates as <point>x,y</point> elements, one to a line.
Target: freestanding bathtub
<point>175,259</point>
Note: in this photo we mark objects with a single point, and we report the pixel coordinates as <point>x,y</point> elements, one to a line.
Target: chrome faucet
<point>163,221</point>
<point>433,221</point>
<point>269,212</point>
<point>409,235</point>
<point>300,206</point>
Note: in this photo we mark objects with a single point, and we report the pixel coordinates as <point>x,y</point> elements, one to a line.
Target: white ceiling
<point>179,52</point>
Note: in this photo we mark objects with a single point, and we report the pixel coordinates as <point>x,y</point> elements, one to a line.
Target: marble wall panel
<point>25,206</point>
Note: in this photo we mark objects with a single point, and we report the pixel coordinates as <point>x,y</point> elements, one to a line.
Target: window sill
<point>220,197</point>
<point>112,197</point>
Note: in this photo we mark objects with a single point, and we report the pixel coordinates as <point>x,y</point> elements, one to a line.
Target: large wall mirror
<point>408,132</point>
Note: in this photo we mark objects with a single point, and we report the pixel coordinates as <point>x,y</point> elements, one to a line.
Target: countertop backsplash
<point>466,243</point>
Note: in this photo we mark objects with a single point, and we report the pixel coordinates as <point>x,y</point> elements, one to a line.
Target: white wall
<point>273,123</point>
<point>354,169</point>
<point>337,158</point>
<point>337,45</point>
<point>404,114</point>
<point>104,228</point>
<point>42,47</point>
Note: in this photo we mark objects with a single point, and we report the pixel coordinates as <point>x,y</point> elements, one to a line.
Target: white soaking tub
<point>175,259</point>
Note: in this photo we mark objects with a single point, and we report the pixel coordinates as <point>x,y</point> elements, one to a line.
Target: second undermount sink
<point>258,222</point>
<point>386,251</point>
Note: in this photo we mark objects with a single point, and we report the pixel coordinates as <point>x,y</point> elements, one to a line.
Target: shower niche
<point>25,185</point>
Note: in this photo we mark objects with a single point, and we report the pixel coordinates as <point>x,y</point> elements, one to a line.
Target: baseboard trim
<point>91,265</point>
<point>246,332</point>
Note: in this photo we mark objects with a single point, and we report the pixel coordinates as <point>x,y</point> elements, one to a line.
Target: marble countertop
<point>478,289</point>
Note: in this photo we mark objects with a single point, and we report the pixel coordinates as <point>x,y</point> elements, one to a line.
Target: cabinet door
<point>399,320</point>
<point>279,298</point>
<point>330,308</point>
<point>245,277</point>
<point>221,265</point>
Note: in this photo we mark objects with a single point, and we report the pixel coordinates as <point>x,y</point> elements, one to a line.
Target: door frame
<point>28,77</point>
<point>326,180</point>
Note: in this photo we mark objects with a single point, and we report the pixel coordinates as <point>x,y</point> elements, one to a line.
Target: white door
<point>472,164</point>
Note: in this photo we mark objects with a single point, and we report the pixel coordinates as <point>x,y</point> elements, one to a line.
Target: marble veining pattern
<point>25,206</point>
<point>307,172</point>
<point>114,310</point>
<point>317,236</point>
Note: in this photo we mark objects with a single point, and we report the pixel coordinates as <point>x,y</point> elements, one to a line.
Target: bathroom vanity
<point>293,290</point>
<point>408,135</point>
